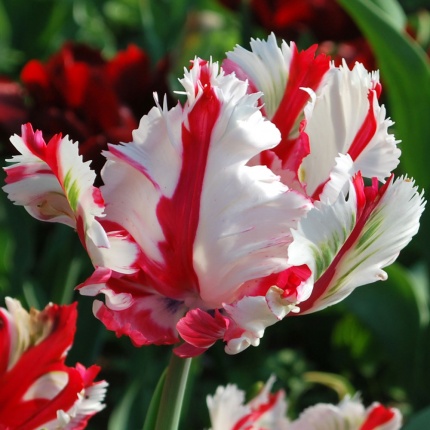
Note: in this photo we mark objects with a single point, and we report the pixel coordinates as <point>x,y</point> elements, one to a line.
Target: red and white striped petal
<point>344,117</point>
<point>350,414</point>
<point>348,243</point>
<point>53,183</point>
<point>87,404</point>
<point>228,410</point>
<point>282,74</point>
<point>205,222</point>
<point>253,315</point>
<point>242,323</point>
<point>279,73</point>
<point>36,386</point>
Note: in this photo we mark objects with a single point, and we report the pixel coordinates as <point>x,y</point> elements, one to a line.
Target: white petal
<point>267,66</point>
<point>254,315</point>
<point>334,116</point>
<point>226,407</point>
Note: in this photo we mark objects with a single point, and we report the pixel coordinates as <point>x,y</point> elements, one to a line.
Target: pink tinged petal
<point>347,244</point>
<point>200,330</point>
<point>53,184</point>
<point>131,309</point>
<point>136,311</point>
<point>346,116</point>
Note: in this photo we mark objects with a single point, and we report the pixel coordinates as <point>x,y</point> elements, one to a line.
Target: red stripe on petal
<point>365,208</point>
<point>366,131</point>
<point>34,141</point>
<point>378,416</point>
<point>179,215</point>
<point>250,420</point>
<point>306,71</point>
<point>47,411</point>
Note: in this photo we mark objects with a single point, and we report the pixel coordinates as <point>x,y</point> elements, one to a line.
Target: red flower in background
<point>324,19</point>
<point>81,94</point>
<point>12,109</point>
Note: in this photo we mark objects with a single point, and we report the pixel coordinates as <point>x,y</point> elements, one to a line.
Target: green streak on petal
<point>325,252</point>
<point>370,235</point>
<point>72,190</point>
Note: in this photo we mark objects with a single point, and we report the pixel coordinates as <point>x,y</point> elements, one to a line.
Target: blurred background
<point>88,68</point>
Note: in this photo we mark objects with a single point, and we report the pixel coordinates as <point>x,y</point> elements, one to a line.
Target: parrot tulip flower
<point>228,411</point>
<point>37,389</point>
<point>212,223</point>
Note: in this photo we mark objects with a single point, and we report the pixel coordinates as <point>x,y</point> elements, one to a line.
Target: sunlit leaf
<point>406,72</point>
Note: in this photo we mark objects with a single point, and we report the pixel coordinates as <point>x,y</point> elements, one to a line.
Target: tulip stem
<point>172,396</point>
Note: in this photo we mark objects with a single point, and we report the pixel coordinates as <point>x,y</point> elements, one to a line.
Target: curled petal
<point>253,315</point>
<point>200,331</point>
<point>347,244</point>
<point>53,183</point>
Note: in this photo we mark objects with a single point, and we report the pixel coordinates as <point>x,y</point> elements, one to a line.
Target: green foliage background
<point>377,341</point>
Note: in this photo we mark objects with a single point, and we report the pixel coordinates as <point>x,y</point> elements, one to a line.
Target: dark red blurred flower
<point>288,18</point>
<point>12,110</point>
<point>92,100</point>
<point>325,20</point>
<point>351,51</point>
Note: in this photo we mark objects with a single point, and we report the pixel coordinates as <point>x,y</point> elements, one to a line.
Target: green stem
<point>172,396</point>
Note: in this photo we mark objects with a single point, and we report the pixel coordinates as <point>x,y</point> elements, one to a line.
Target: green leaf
<point>406,73</point>
<point>393,13</point>
<point>151,416</point>
<point>119,418</point>
<point>419,421</point>
<point>390,310</point>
